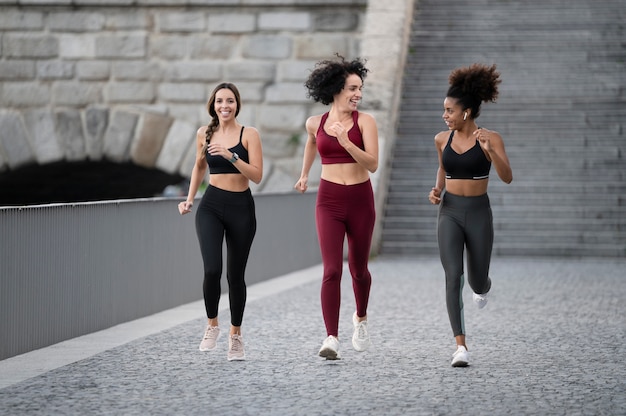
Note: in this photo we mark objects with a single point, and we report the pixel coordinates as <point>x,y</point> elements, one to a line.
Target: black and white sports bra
<point>472,164</point>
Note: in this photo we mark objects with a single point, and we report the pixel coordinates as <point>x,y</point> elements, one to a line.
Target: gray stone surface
<point>149,140</point>
<point>550,341</point>
<point>43,137</point>
<point>119,134</point>
<point>121,46</point>
<point>130,92</point>
<point>74,93</point>
<point>16,70</point>
<point>19,20</point>
<point>14,139</point>
<point>30,46</point>
<point>96,121</point>
<point>180,137</point>
<point>69,129</point>
<point>53,69</point>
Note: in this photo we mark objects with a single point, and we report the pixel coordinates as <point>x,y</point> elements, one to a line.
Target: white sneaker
<point>461,357</point>
<point>360,337</point>
<point>235,348</point>
<point>330,348</point>
<point>480,300</point>
<point>209,340</point>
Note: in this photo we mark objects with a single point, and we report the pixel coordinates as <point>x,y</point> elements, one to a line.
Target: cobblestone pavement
<point>551,340</point>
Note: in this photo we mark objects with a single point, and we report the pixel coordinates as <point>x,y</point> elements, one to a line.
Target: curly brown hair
<point>329,77</point>
<point>473,85</point>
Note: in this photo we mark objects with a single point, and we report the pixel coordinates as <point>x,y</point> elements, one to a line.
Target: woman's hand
<point>340,132</point>
<point>434,196</point>
<point>484,138</point>
<point>301,185</point>
<point>185,207</point>
<point>217,149</point>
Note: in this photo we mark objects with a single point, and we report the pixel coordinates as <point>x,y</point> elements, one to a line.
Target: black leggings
<point>232,215</point>
<point>464,222</point>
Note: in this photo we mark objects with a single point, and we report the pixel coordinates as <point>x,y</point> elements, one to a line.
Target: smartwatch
<point>234,158</point>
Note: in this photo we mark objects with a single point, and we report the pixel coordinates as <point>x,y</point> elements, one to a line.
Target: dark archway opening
<point>65,182</point>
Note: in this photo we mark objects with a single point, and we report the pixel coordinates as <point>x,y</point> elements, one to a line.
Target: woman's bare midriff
<point>467,187</point>
<point>345,173</point>
<point>233,182</point>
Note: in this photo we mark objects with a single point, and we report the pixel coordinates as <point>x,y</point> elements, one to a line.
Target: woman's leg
<point>240,221</point>
<point>329,216</point>
<point>210,231</point>
<point>479,245</point>
<point>360,227</point>
<point>451,240</point>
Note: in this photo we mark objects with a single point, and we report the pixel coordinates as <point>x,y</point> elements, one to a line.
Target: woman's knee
<point>332,275</point>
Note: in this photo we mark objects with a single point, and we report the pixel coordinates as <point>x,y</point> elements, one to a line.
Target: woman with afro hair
<point>466,153</point>
<point>347,141</point>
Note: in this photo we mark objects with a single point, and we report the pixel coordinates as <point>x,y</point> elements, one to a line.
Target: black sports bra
<point>217,164</point>
<point>472,164</point>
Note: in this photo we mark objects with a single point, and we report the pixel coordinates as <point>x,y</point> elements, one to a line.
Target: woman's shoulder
<point>365,118</point>
<point>250,132</point>
<point>315,118</point>
<point>313,122</point>
<point>362,114</point>
<point>442,136</point>
<point>201,132</point>
<point>250,129</point>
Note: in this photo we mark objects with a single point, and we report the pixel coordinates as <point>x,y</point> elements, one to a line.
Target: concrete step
<point>561,112</point>
<point>527,212</point>
<point>513,249</point>
<point>426,224</point>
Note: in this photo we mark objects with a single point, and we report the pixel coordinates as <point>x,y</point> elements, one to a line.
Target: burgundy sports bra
<point>329,148</point>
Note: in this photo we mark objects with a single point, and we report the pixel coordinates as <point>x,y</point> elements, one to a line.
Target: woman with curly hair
<point>347,141</point>
<point>466,153</point>
<point>233,155</point>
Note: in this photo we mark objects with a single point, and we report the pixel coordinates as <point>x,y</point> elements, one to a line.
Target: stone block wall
<point>93,79</point>
<point>129,80</point>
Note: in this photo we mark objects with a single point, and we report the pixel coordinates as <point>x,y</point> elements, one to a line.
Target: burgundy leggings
<point>344,210</point>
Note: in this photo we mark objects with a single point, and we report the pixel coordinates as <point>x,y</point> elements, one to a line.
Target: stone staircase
<point>561,112</point>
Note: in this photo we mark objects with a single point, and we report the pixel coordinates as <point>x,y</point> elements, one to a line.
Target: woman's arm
<point>368,158</point>
<point>252,170</point>
<point>492,144</point>
<point>310,152</point>
<point>440,181</point>
<point>197,173</point>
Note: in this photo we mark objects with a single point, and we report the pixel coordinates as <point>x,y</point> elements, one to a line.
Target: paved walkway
<point>552,340</point>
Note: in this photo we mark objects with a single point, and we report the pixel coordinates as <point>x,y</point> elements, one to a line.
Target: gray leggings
<point>464,222</point>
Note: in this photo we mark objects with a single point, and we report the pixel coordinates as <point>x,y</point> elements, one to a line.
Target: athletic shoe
<point>461,357</point>
<point>211,335</point>
<point>235,348</point>
<point>360,337</point>
<point>480,300</point>
<point>330,348</point>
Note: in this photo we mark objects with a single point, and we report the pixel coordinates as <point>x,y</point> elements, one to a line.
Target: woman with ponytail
<point>234,157</point>
<point>466,153</point>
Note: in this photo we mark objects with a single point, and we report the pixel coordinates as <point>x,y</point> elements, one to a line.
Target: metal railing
<point>70,269</point>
